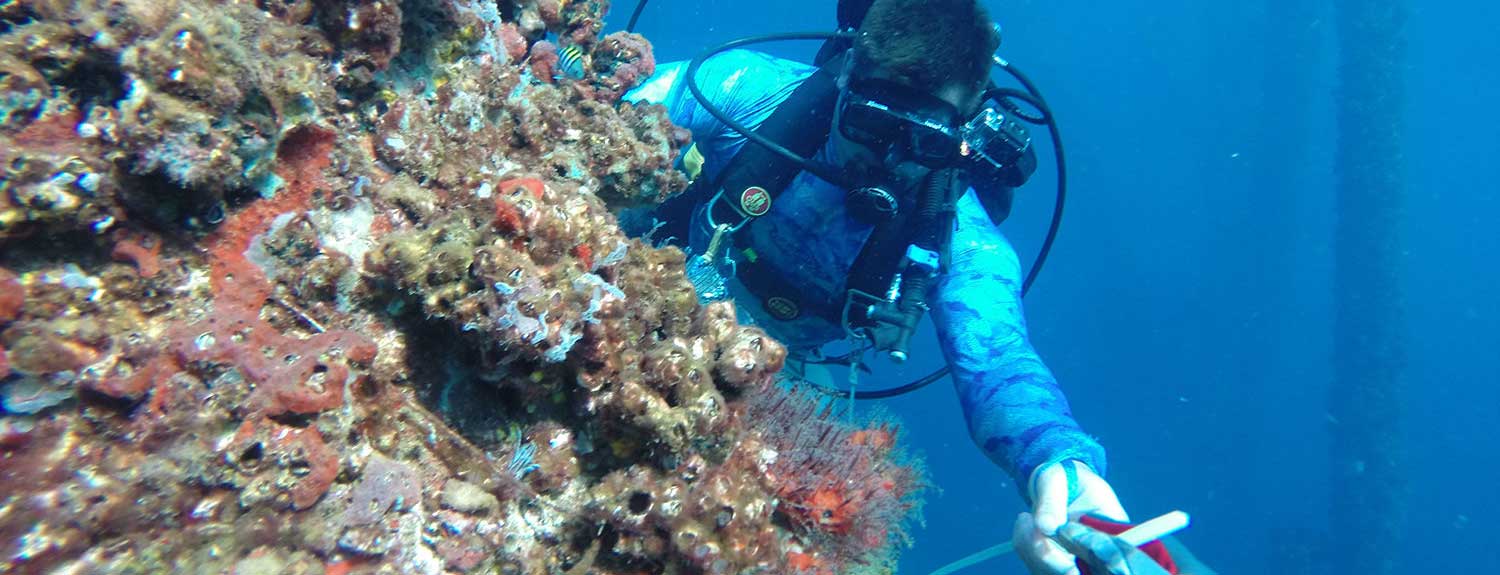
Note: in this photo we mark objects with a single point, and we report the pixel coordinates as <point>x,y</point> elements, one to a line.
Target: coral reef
<point>335,286</point>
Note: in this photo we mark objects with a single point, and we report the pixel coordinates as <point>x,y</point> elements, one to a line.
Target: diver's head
<point>917,71</point>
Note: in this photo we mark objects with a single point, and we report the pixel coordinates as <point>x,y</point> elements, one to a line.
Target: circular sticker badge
<point>782,308</point>
<point>755,201</point>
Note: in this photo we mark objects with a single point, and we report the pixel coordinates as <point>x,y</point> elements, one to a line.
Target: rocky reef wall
<point>335,286</point>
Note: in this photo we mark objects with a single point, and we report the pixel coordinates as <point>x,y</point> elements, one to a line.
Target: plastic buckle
<point>922,257</point>
<point>714,242</point>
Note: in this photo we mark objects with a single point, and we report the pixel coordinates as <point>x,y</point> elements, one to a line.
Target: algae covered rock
<point>308,286</point>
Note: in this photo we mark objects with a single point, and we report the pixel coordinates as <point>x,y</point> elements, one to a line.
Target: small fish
<point>692,162</point>
<point>572,61</point>
<point>522,458</point>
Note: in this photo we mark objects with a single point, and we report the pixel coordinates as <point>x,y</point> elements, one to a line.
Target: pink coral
<point>288,375</point>
<point>629,59</point>
<point>385,485</point>
<point>297,457</point>
<point>551,12</point>
<point>544,61</point>
<point>144,253</point>
<point>12,296</point>
<point>514,43</point>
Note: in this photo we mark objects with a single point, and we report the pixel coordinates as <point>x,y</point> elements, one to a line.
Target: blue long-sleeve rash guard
<point>1015,410</point>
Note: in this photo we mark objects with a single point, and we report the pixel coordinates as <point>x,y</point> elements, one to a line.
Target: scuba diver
<point>868,194</point>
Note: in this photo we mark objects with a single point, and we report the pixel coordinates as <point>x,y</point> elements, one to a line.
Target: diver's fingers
<point>1041,555</point>
<point>1096,548</point>
<point>1051,498</point>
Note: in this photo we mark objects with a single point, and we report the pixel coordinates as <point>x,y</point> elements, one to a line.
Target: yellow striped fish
<point>572,61</point>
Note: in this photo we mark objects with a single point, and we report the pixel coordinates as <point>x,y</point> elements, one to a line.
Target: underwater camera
<point>999,146</point>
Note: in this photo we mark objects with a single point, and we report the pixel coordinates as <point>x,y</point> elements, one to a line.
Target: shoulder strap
<point>756,175</point>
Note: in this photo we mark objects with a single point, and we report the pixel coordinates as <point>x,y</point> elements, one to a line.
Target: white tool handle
<point>1154,529</point>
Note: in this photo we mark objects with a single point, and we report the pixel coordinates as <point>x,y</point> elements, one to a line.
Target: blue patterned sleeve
<point>745,84</point>
<point>1015,409</point>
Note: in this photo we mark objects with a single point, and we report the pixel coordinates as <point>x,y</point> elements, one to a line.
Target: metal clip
<point>714,243</point>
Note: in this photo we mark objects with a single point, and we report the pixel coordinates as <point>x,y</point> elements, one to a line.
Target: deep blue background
<point>1186,308</point>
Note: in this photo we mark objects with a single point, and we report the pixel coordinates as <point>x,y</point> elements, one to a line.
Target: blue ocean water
<point>1188,305</point>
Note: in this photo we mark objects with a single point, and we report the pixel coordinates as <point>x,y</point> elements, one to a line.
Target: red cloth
<point>1155,549</point>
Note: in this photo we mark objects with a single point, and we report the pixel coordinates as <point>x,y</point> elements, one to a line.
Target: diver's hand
<point>1051,487</point>
<point>1104,553</point>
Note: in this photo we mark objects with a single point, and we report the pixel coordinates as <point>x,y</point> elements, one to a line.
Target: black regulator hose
<point>821,170</point>
<point>1062,170</point>
<point>635,16</point>
<point>914,280</point>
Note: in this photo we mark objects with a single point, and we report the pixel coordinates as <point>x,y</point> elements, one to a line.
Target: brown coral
<point>337,285</point>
